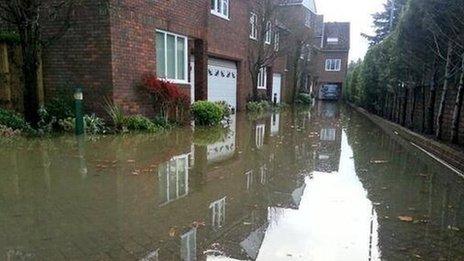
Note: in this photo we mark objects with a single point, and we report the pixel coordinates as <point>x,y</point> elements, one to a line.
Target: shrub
<point>167,97</point>
<point>304,99</point>
<point>92,124</point>
<point>140,123</point>
<point>226,108</point>
<point>13,120</point>
<point>207,113</point>
<point>258,106</point>
<point>116,114</point>
<point>60,107</point>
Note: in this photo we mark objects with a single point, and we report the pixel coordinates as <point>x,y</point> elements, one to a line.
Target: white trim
<point>268,36</point>
<point>276,41</point>
<point>262,79</point>
<point>253,26</point>
<point>186,61</point>
<point>333,65</point>
<point>222,14</point>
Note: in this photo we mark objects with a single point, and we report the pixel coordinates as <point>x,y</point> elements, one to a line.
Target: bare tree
<point>28,18</point>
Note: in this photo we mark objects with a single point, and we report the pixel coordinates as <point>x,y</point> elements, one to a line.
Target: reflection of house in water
<point>259,137</point>
<point>173,179</point>
<point>188,249</point>
<point>224,149</point>
<point>327,154</point>
<point>275,122</point>
<point>218,213</point>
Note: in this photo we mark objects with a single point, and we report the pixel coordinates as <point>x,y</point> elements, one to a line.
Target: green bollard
<point>78,97</point>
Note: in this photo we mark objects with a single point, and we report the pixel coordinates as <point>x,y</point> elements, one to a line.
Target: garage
<point>222,81</point>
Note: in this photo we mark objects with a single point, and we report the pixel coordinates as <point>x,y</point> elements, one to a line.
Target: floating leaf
<point>406,218</point>
<point>172,231</point>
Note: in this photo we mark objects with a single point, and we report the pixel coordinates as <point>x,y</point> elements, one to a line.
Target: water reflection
<point>299,185</point>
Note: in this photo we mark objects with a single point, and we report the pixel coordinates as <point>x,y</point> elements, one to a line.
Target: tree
<point>386,21</point>
<point>28,18</point>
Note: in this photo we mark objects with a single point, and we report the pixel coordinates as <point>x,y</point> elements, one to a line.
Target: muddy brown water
<point>318,184</point>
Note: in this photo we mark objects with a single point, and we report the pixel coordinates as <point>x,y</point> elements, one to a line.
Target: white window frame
<point>276,41</point>
<point>332,40</point>
<point>308,21</point>
<point>218,213</point>
<point>186,61</point>
<point>262,78</point>
<point>249,179</point>
<point>333,65</point>
<point>260,133</point>
<point>189,253</point>
<point>268,36</point>
<point>253,26</point>
<point>173,163</point>
<point>217,8</point>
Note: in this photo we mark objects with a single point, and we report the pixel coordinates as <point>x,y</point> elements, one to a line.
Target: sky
<point>358,12</point>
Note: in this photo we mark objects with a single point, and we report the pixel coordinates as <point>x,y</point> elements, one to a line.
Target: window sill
<point>332,70</point>
<point>262,88</point>
<point>220,15</point>
<point>175,81</point>
<point>253,38</point>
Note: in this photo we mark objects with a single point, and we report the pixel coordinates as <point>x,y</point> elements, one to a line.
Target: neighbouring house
<point>201,45</point>
<point>331,61</point>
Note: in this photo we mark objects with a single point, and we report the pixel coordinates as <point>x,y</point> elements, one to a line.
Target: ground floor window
<point>262,78</point>
<point>171,56</point>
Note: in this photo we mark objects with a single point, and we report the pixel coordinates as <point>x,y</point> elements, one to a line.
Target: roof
<point>310,4</point>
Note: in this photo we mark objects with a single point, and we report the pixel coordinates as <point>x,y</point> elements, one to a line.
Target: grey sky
<point>358,12</point>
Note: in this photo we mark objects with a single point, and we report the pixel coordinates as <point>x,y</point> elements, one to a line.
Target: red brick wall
<point>81,56</point>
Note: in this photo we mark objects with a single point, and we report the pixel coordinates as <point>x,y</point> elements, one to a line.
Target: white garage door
<point>222,81</point>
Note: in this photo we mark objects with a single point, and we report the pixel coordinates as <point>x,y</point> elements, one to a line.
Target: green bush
<point>116,114</point>
<point>140,123</point>
<point>207,113</point>
<point>226,108</point>
<point>92,124</point>
<point>304,99</point>
<point>13,120</point>
<point>258,106</point>
<point>60,107</point>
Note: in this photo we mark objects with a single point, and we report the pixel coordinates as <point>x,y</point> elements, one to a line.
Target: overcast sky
<point>358,12</point>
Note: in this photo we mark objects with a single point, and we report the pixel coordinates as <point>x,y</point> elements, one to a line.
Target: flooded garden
<point>317,184</point>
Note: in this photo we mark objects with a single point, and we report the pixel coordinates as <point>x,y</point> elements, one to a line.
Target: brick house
<point>200,45</point>
<point>331,60</point>
<point>203,46</point>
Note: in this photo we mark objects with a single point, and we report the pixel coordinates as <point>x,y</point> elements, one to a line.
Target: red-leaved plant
<point>167,97</point>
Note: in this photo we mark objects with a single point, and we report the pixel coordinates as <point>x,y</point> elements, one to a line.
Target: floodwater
<point>319,184</point>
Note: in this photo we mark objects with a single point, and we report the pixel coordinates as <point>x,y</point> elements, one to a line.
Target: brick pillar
<point>201,70</point>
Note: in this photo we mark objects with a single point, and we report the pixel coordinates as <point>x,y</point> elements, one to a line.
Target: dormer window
<point>332,40</point>
<point>220,8</point>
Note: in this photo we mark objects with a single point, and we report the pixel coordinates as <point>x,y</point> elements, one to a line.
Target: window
<point>173,179</point>
<point>218,213</point>
<point>262,78</point>
<point>333,65</point>
<point>188,247</point>
<point>220,8</point>
<point>268,36</point>
<point>332,40</point>
<point>276,41</point>
<point>328,134</point>
<point>171,56</point>
<point>308,20</point>
<point>253,26</point>
<point>260,132</point>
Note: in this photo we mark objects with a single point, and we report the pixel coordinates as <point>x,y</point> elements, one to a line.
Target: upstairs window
<point>276,41</point>
<point>308,20</point>
<point>171,56</point>
<point>220,8</point>
<point>253,26</point>
<point>262,78</point>
<point>333,65</point>
<point>332,40</point>
<point>268,36</point>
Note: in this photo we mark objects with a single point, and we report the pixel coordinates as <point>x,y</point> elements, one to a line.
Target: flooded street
<point>319,184</point>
